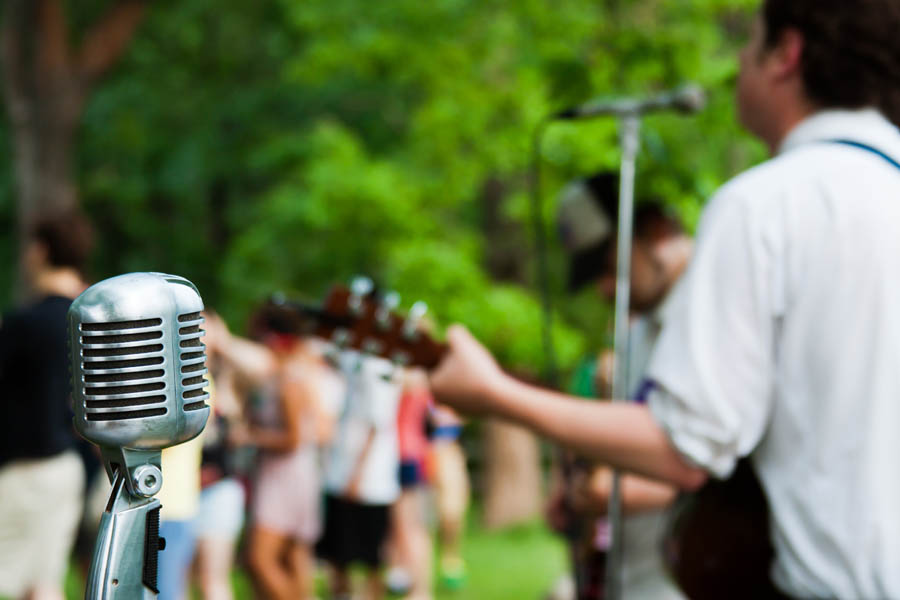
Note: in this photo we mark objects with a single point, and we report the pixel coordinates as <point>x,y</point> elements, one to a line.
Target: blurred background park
<point>278,145</point>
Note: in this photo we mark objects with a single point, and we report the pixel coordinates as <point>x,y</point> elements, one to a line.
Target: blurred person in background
<point>285,516</point>
<point>41,474</point>
<point>793,258</point>
<point>661,250</point>
<point>450,483</point>
<point>180,499</point>
<point>361,469</point>
<point>410,542</point>
<point>220,515</point>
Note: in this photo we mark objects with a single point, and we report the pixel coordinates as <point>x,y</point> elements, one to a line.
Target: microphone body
<point>137,387</point>
<point>687,99</point>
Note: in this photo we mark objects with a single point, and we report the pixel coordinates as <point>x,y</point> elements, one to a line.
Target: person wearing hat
<point>587,219</point>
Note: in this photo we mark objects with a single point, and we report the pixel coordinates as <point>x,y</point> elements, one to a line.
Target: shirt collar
<point>866,125</point>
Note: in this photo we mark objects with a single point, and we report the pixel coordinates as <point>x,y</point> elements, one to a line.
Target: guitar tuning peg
<point>400,359</point>
<point>416,312</point>
<point>391,300</point>
<point>373,347</point>
<point>387,305</point>
<point>341,338</point>
<point>360,287</point>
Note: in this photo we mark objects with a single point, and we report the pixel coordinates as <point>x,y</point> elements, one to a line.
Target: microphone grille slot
<point>121,371</point>
<point>113,325</point>
<point>193,361</point>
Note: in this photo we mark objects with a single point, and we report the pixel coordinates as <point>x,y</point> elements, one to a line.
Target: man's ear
<point>787,54</point>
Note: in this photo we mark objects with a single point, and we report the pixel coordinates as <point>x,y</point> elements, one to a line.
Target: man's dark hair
<point>68,239</point>
<point>652,220</point>
<point>851,52</point>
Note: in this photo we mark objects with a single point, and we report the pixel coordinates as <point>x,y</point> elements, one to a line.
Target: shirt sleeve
<point>713,364</point>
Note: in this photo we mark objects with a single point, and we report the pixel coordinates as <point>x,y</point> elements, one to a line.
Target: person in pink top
<point>410,541</point>
<point>286,518</point>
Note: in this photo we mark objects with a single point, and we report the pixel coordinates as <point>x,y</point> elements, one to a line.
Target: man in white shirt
<point>782,341</point>
<point>587,220</point>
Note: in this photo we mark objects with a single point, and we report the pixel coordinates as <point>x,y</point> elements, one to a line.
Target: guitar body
<point>588,561</point>
<point>590,568</point>
<point>718,544</point>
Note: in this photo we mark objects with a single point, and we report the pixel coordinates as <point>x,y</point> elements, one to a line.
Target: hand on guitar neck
<point>465,375</point>
<point>468,376</point>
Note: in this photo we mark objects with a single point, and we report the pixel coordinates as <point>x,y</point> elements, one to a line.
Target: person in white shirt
<point>360,480</point>
<point>782,341</point>
<point>587,219</point>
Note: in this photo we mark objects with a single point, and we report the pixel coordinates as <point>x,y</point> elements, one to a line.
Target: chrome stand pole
<point>630,127</point>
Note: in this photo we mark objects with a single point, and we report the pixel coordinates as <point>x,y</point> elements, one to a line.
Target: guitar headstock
<point>357,317</point>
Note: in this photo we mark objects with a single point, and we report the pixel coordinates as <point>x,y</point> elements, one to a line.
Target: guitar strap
<point>868,148</point>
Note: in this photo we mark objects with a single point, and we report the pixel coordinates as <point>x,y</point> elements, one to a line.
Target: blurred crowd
<point>315,460</point>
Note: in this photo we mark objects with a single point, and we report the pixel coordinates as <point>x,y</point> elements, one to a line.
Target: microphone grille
<point>192,361</point>
<point>138,364</point>
<point>124,369</point>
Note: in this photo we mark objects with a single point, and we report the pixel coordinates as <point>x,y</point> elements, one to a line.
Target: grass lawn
<point>516,564</point>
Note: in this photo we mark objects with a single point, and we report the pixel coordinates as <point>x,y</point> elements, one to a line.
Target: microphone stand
<point>630,126</point>
<point>124,564</point>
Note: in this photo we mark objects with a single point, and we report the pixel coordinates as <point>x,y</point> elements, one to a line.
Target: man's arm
<point>622,435</point>
<point>639,494</point>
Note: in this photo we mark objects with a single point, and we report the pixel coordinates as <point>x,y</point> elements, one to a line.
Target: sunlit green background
<point>283,145</point>
<point>265,145</point>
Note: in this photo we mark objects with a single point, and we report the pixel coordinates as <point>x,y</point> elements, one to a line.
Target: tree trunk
<point>512,475</point>
<point>45,87</point>
<point>513,490</point>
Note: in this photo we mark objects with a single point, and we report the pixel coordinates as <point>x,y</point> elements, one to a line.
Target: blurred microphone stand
<point>629,130</point>
<point>629,139</point>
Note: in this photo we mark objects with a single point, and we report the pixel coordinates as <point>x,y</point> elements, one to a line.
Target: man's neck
<point>789,117</point>
<point>65,282</point>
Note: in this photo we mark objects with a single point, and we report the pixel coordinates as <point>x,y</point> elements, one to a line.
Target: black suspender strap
<point>868,148</point>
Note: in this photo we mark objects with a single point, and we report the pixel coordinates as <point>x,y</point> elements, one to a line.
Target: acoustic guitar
<point>718,543</point>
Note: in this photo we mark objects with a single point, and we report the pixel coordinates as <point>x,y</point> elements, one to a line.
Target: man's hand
<point>468,378</point>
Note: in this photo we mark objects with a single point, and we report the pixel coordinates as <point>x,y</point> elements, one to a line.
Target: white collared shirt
<point>782,341</point>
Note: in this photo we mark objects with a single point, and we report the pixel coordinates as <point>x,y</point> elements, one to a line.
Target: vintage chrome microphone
<point>138,387</point>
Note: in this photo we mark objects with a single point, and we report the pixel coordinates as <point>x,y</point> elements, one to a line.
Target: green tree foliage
<point>282,145</point>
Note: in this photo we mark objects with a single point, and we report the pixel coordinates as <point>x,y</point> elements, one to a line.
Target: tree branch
<point>14,24</point>
<point>52,40</point>
<point>106,41</point>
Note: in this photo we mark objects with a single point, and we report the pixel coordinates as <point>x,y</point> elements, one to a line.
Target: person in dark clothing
<point>41,473</point>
